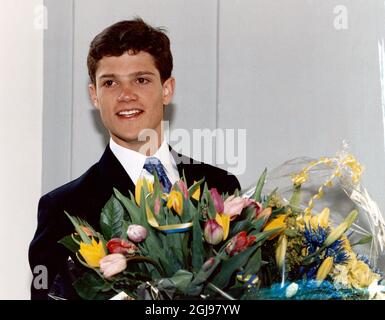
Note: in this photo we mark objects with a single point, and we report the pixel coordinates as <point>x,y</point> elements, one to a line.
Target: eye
<point>142,80</point>
<point>108,83</point>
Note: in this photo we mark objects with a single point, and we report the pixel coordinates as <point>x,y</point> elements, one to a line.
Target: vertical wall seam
<point>71,158</point>
<point>217,77</point>
<point>43,101</point>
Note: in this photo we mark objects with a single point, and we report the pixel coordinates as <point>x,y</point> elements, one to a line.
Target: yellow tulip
<point>92,253</point>
<point>324,269</point>
<point>197,193</point>
<point>224,221</point>
<point>138,188</point>
<point>175,201</point>
<point>280,252</point>
<point>320,220</point>
<point>278,222</point>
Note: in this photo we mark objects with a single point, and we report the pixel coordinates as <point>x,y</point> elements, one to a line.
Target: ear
<point>93,95</point>
<point>168,90</point>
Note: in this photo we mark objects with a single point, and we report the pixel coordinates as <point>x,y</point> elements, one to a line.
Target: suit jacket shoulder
<point>215,177</point>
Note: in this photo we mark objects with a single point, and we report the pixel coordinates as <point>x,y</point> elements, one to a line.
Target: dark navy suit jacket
<point>85,198</point>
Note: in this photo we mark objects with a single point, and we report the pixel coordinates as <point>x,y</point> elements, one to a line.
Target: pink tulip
<point>264,214</point>
<point>218,201</point>
<point>157,206</point>
<point>233,206</point>
<point>112,264</point>
<point>213,232</point>
<point>258,206</point>
<point>136,232</point>
<point>208,264</point>
<point>183,187</point>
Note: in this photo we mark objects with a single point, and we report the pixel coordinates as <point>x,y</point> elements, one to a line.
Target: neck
<point>147,148</point>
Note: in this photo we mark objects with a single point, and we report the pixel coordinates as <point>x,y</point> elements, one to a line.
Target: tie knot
<point>153,164</point>
<point>152,161</point>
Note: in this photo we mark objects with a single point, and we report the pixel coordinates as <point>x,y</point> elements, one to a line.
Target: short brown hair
<point>135,35</point>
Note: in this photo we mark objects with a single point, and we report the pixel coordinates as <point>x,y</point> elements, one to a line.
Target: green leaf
<point>208,201</point>
<point>244,225</point>
<point>290,233</point>
<point>254,263</point>
<point>133,210</point>
<point>89,285</point>
<point>69,243</point>
<point>111,219</point>
<point>259,223</point>
<point>157,186</point>
<point>186,249</point>
<point>295,198</point>
<point>249,213</point>
<point>363,240</point>
<point>77,224</point>
<point>197,243</point>
<point>230,265</point>
<point>204,273</point>
<point>258,189</point>
<point>266,203</point>
<point>182,279</point>
<point>194,187</point>
<point>262,236</point>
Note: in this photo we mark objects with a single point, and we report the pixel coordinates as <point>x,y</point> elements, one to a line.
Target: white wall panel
<point>21,94</point>
<point>299,85</point>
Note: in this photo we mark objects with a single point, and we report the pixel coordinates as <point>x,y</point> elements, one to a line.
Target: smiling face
<point>130,97</point>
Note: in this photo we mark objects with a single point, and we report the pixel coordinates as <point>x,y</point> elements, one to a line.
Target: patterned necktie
<point>152,164</point>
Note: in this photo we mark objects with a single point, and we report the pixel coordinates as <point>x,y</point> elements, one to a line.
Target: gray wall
<point>300,76</point>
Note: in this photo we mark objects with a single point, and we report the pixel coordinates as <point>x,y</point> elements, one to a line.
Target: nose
<point>127,94</point>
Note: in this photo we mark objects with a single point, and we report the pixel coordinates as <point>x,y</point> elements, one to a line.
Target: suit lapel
<point>186,166</point>
<point>113,173</point>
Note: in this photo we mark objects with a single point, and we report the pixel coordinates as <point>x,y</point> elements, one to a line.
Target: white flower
<point>112,264</point>
<point>291,290</point>
<point>376,291</point>
<point>136,233</point>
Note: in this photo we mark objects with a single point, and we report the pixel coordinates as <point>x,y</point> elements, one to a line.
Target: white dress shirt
<point>133,162</point>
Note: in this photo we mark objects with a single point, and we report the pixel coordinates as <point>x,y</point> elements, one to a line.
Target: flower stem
<point>221,292</point>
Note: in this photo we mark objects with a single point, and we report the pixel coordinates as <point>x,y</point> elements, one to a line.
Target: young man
<point>130,67</point>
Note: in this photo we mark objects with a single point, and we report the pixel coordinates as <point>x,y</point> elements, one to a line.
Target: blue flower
<point>314,240</point>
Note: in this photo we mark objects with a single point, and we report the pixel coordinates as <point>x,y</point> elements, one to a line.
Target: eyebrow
<point>135,74</point>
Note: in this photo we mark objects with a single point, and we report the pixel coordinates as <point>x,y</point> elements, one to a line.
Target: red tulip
<point>239,243</point>
<point>218,201</point>
<point>117,245</point>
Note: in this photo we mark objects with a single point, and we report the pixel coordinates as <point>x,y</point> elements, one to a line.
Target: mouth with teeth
<point>129,114</point>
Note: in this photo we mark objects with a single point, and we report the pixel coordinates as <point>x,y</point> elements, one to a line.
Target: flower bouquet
<point>194,243</point>
<point>155,245</point>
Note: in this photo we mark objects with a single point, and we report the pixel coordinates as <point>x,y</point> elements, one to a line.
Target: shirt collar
<point>133,161</point>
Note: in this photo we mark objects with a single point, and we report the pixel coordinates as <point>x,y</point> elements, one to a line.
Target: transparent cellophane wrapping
<point>341,196</point>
